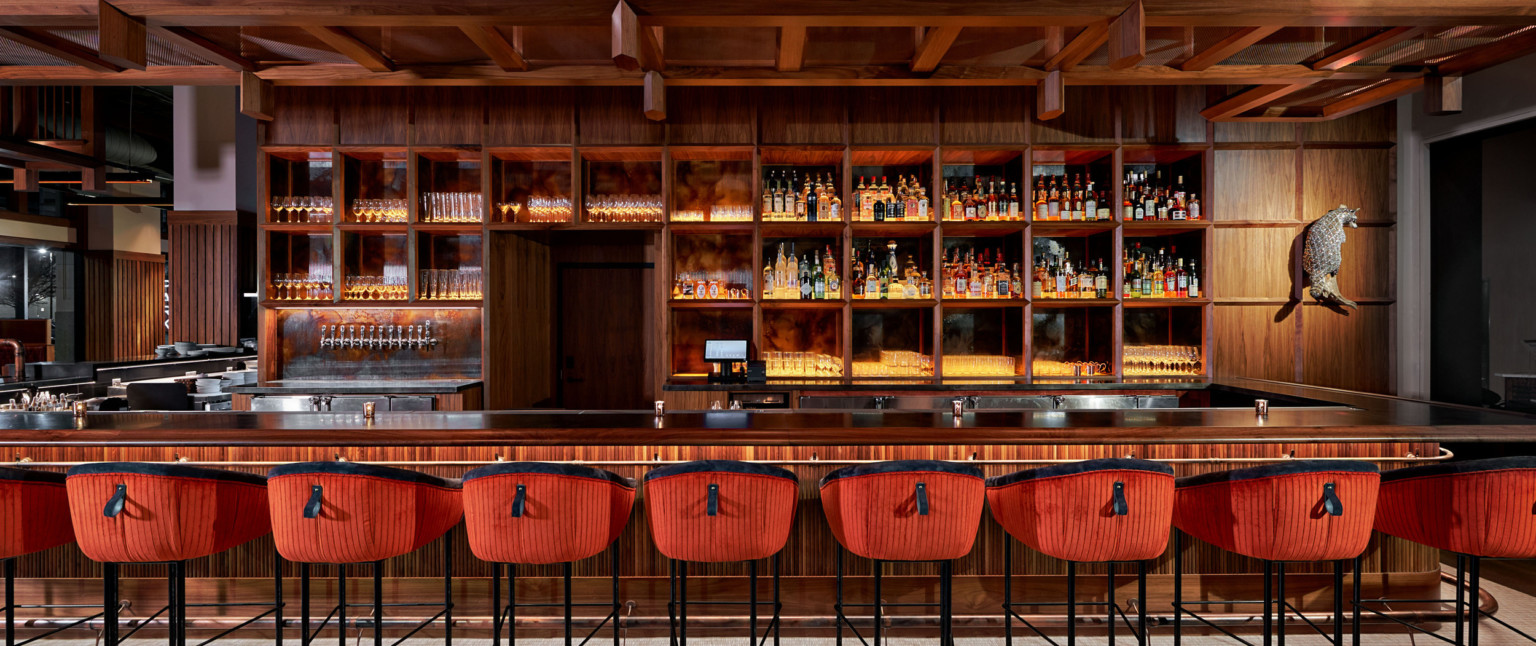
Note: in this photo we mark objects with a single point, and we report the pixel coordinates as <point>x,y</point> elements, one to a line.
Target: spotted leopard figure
<point>1322,255</point>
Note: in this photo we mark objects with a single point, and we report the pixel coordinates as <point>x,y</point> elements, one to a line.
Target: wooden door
<point>602,342</point>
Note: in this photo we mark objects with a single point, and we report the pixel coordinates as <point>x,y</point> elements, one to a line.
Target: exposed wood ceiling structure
<point>1273,59</point>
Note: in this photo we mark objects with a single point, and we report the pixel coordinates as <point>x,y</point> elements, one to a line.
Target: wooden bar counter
<point>1392,432</point>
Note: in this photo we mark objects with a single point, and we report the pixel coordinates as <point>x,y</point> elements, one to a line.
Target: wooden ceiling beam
<point>1250,99</point>
<point>1128,37</point>
<point>635,46</point>
<point>255,97</point>
<point>1050,97</point>
<point>32,152</point>
<point>1500,51</point>
<point>1373,96</point>
<point>1367,47</point>
<point>1442,95</point>
<point>790,55</point>
<point>204,48</point>
<point>1227,47</point>
<point>121,38</point>
<point>345,74</point>
<point>348,45</point>
<point>503,52</point>
<point>1084,44</point>
<point>59,48</point>
<point>655,96</point>
<point>935,43</point>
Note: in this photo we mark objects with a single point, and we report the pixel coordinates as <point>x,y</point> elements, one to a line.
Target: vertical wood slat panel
<point>204,275</point>
<point>123,304</point>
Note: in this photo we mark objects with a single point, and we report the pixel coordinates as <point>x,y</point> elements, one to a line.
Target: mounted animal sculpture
<point>1322,254</point>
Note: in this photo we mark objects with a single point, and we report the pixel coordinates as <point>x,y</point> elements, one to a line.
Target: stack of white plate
<point>208,386</point>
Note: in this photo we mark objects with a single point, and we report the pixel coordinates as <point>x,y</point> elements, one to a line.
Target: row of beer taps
<point>377,337</point>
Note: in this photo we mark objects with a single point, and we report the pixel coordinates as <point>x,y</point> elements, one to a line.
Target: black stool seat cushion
<point>1075,468</point>
<point>31,475</point>
<point>720,466</point>
<point>1287,468</point>
<point>550,469</point>
<point>1467,466</point>
<point>167,469</point>
<point>361,469</point>
<point>903,466</point>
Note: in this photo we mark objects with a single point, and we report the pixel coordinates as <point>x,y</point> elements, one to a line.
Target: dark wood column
<point>207,261</point>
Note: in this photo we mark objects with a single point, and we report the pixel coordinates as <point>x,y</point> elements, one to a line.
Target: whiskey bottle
<point>829,268</point>
<point>819,286</point>
<point>767,201</point>
<point>922,203</point>
<point>1042,209</point>
<point>909,206</point>
<point>1013,202</point>
<point>1053,202</point>
<point>1194,207</point>
<point>1101,282</point>
<point>1194,281</point>
<point>778,199</point>
<point>835,208</point>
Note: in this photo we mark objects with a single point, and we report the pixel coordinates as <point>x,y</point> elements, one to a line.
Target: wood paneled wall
<point>1271,180</point>
<point>1268,179</point>
<point>124,305</point>
<point>520,350</point>
<point>206,262</point>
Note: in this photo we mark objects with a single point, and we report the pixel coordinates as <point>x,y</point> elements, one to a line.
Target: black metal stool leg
<point>682,602</point>
<point>10,602</point>
<point>304,604</point>
<point>1071,603</point>
<point>1109,603</point>
<point>672,601</point>
<point>1178,588</point>
<point>173,613</point>
<point>752,603</point>
<point>877,603</point>
<point>615,574</point>
<point>341,612</point>
<point>778,604</point>
<point>181,615</point>
<point>1269,603</point>
<point>1474,609</point>
<point>277,596</point>
<point>839,606</point>
<point>511,604</point>
<point>567,603</point>
<point>1280,610</point>
<point>1007,590</point>
<point>378,603</point>
<point>1354,621</point>
<point>448,587</point>
<point>1338,603</point>
<point>109,604</point>
<point>496,612</point>
<point>1461,599</point>
<point>1142,638</point>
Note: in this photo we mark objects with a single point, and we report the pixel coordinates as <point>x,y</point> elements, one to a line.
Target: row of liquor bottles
<point>808,277</point>
<point>1163,274</point>
<point>1059,277</point>
<point>816,200</point>
<point>1154,200</point>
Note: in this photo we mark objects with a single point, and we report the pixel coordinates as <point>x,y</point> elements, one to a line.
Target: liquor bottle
<point>813,201</point>
<point>856,275</point>
<point>1178,190</point>
<point>977,280</point>
<point>922,204</point>
<point>1053,202</point>
<point>801,204</point>
<point>924,286</point>
<point>1090,204</point>
<point>1013,202</point>
<point>1037,280</point>
<point>1085,281</point>
<point>767,281</point>
<point>1001,286</point>
<point>877,208</point>
<point>777,208</point>
<point>1103,213</point>
<point>835,208</point>
<point>872,270</point>
<point>819,286</point>
<point>829,268</point>
<point>807,282</point>
<point>971,205</point>
<point>1129,211</point>
<point>1101,282</point>
<point>866,200</point>
<point>767,201</point>
<point>1194,207</point>
<point>1182,278</point>
<point>1194,281</point>
<point>909,206</point>
<point>1042,208</point>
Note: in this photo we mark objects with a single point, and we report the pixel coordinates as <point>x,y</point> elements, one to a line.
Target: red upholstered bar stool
<point>907,510</point>
<point>718,511</point>
<point>1297,510</point>
<point>30,521</point>
<point>1477,509</point>
<point>1110,510</point>
<point>146,512</point>
<point>341,513</point>
<point>540,513</point>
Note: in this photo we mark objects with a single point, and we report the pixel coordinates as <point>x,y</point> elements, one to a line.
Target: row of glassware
<point>802,364</point>
<point>391,286</point>
<point>716,213</point>
<point>1141,360</point>
<point>452,207</point>
<point>541,208</point>
<point>451,284</point>
<point>624,208</point>
<point>308,286</point>
<point>302,209</point>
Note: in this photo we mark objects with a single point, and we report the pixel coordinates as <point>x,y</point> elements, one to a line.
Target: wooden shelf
<point>893,229</point>
<point>982,228</point>
<point>786,229</point>
<point>1153,228</point>
<point>710,227</point>
<point>1165,302</point>
<point>811,304</point>
<point>1075,302</point>
<point>892,304</point>
<point>1058,229</point>
<point>607,226</point>
<point>710,303</point>
<point>978,303</point>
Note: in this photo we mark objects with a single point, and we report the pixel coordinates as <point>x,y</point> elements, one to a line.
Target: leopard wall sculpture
<point>1322,254</point>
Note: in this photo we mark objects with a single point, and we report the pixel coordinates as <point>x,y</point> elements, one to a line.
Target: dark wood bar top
<point>358,386</point>
<point>1356,417</point>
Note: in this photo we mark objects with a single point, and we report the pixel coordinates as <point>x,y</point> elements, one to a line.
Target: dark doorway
<point>602,336</point>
